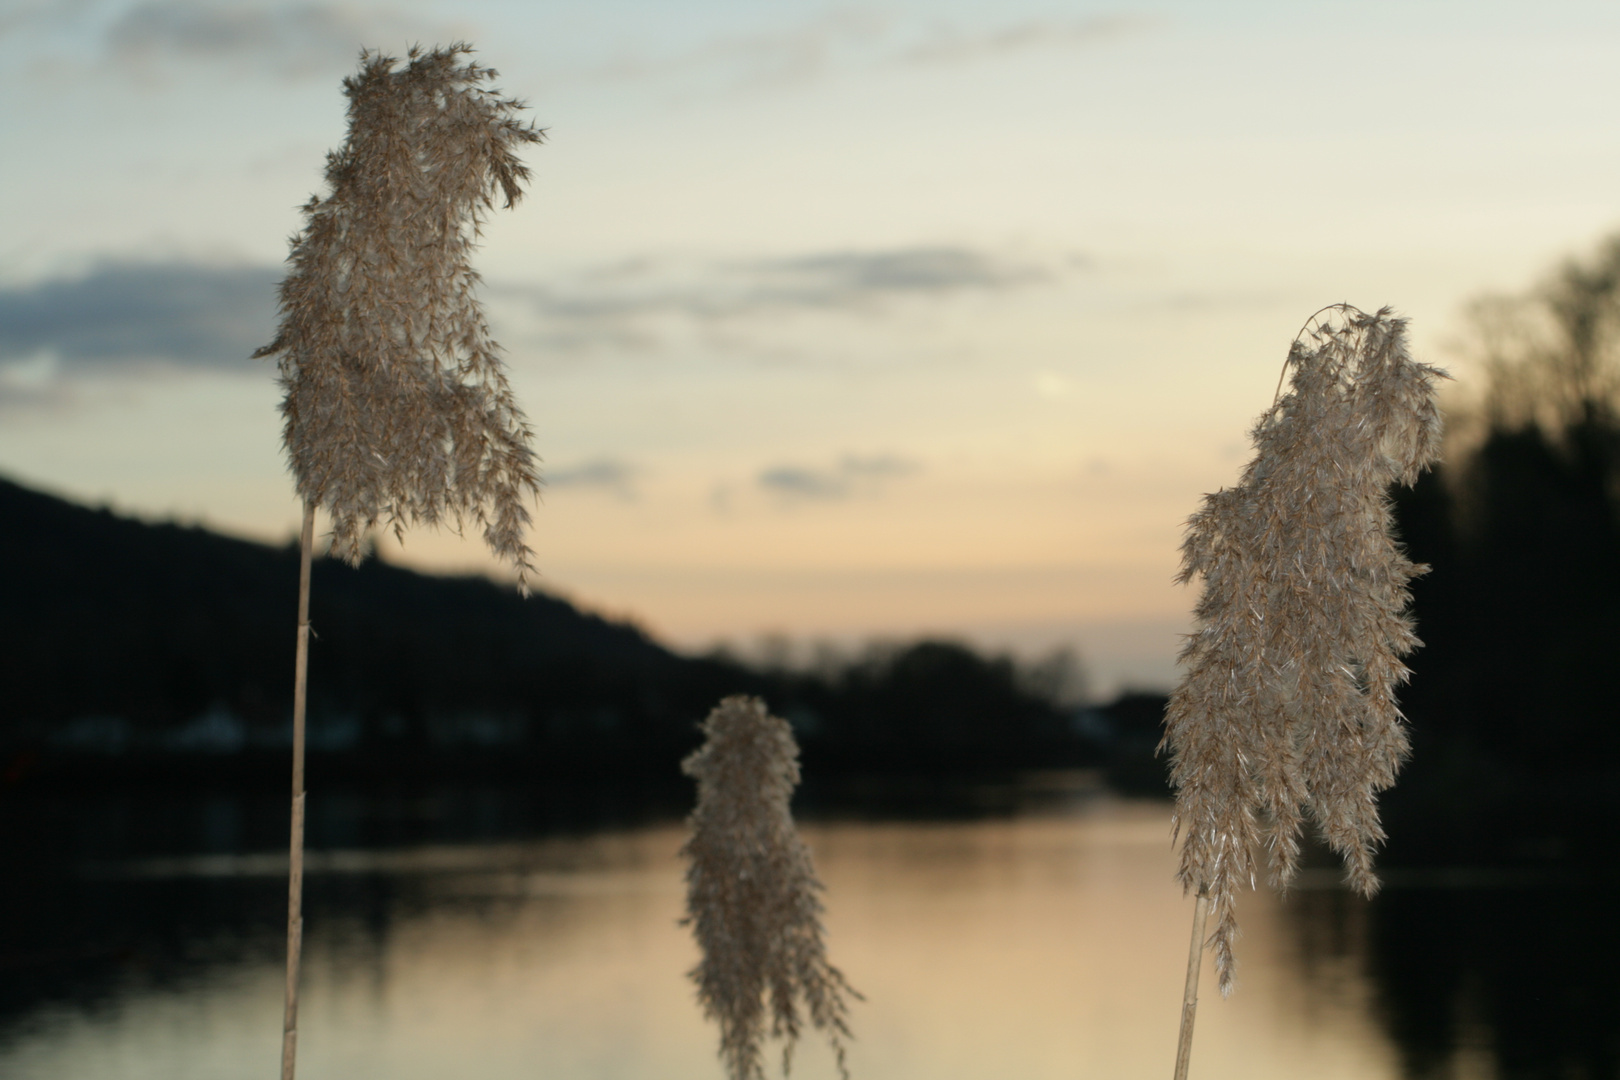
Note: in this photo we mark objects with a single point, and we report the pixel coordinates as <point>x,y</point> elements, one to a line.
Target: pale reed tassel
<point>753,899</point>
<point>396,403</point>
<point>1286,706</point>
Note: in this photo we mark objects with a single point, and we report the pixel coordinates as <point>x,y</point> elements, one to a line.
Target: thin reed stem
<point>295,875</point>
<point>1189,997</point>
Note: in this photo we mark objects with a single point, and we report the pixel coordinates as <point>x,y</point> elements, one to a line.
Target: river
<point>1038,936</point>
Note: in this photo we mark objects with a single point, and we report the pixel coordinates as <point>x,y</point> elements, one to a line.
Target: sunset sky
<point>840,321</point>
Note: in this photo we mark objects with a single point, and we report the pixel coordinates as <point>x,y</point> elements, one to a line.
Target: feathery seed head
<point>752,893</point>
<point>1286,705</point>
<point>396,402</point>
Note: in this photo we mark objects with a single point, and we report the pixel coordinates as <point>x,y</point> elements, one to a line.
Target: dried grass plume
<point>396,404</point>
<point>752,893</point>
<point>1286,706</point>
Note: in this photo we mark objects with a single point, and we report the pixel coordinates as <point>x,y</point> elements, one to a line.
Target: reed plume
<point>396,405</point>
<point>1286,706</point>
<point>752,894</point>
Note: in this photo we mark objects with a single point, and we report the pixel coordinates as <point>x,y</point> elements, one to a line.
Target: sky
<point>839,322</point>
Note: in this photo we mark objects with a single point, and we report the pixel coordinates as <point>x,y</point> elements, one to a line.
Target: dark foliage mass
<point>930,705</point>
<point>1515,702</point>
<point>1500,930</point>
<point>128,647</point>
<point>1515,699</point>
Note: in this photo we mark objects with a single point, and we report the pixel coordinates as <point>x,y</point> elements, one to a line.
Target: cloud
<point>289,40</point>
<point>603,474</point>
<point>949,46</point>
<point>852,473</point>
<point>629,305</point>
<point>123,315</point>
<point>795,55</point>
<point>853,39</point>
<point>843,278</point>
<point>772,310</point>
<point>48,13</point>
<point>793,480</point>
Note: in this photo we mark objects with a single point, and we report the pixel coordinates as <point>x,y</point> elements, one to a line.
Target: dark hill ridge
<point>128,648</point>
<point>117,635</point>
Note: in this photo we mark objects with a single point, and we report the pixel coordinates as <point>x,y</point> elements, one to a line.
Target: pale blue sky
<point>831,319</point>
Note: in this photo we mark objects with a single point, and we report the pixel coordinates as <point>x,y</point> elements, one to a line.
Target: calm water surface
<point>1044,940</point>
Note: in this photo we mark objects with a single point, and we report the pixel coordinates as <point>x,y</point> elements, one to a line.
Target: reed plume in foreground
<point>1286,706</point>
<point>752,893</point>
<point>397,406</point>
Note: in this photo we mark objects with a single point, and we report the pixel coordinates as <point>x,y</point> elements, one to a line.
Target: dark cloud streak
<point>827,281</point>
<point>123,315</point>
<point>793,480</point>
<point>843,277</point>
<point>598,474</point>
<point>131,316</point>
<point>839,482</point>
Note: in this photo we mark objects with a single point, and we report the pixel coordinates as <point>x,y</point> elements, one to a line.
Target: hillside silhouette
<point>132,649</point>
<point>139,640</point>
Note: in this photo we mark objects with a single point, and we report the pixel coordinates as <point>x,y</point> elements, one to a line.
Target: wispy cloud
<point>861,40</point>
<point>792,55</point>
<point>949,45</point>
<point>290,40</point>
<point>132,317</point>
<point>630,305</point>
<point>607,474</point>
<point>851,474</point>
<point>795,480</point>
<point>21,14</point>
<point>123,315</point>
<point>843,278</point>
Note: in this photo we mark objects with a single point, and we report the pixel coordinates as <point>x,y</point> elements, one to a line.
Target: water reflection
<point>1044,938</point>
<point>1519,978</point>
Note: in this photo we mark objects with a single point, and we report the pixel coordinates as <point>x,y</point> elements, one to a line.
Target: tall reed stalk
<point>753,898</point>
<point>1286,707</point>
<point>396,404</point>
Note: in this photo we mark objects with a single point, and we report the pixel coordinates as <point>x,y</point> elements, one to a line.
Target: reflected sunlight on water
<point>1040,946</point>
